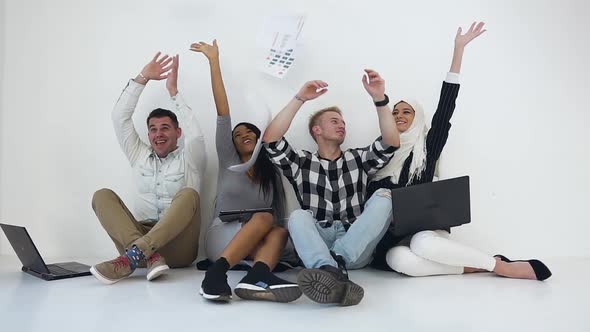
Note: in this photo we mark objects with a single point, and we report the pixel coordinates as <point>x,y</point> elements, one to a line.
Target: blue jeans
<point>314,243</point>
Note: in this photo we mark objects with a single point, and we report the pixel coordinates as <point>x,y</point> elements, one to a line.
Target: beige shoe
<point>110,272</point>
<point>157,266</point>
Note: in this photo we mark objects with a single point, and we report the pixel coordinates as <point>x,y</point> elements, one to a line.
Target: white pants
<point>432,253</point>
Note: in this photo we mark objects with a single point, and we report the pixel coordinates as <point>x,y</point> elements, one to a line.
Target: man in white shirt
<point>164,230</point>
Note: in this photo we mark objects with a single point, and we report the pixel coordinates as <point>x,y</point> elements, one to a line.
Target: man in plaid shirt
<point>333,230</point>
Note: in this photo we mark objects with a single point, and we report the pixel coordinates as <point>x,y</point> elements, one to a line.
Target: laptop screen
<point>25,248</point>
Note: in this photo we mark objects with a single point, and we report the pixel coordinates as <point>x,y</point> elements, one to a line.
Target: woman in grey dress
<point>254,236</point>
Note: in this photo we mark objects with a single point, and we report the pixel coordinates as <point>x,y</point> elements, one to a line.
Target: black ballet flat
<point>503,258</point>
<point>541,270</point>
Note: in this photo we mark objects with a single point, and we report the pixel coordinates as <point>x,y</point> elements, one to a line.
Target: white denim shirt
<point>159,179</point>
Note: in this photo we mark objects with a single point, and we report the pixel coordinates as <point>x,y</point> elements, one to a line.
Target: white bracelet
<point>144,78</point>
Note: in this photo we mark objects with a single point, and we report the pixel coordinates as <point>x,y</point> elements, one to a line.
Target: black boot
<point>330,284</point>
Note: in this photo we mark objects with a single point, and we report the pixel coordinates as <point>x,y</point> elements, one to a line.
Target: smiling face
<point>163,135</point>
<point>330,127</point>
<point>244,140</point>
<point>403,115</point>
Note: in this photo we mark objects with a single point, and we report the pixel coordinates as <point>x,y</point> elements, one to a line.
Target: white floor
<point>479,302</point>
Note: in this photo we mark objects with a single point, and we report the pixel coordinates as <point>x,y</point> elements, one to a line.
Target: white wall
<point>518,128</point>
<point>2,22</point>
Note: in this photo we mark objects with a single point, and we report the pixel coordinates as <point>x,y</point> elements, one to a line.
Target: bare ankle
<point>472,270</point>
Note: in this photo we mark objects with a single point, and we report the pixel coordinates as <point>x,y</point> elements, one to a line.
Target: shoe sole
<point>102,278</point>
<point>322,287</point>
<point>279,293</point>
<point>217,298</point>
<point>156,272</point>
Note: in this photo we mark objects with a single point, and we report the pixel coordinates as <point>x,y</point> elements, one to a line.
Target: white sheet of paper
<point>277,63</point>
<point>252,100</point>
<point>279,35</point>
<point>275,29</point>
<point>242,168</point>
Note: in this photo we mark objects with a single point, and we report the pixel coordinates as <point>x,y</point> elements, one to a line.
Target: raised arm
<point>127,136</point>
<point>282,121</point>
<point>172,77</point>
<point>219,94</point>
<point>441,120</point>
<point>461,40</point>
<point>376,89</point>
<point>192,134</point>
<point>223,134</point>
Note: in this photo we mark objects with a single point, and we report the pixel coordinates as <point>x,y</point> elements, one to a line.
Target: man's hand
<point>156,69</point>
<point>172,79</point>
<point>280,124</point>
<point>312,90</point>
<point>210,51</point>
<point>375,86</point>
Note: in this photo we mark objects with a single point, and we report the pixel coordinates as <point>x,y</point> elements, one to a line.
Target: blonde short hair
<point>314,120</point>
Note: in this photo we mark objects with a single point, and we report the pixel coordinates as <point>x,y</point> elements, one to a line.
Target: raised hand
<point>375,86</point>
<point>172,80</point>
<point>474,31</point>
<point>312,90</point>
<point>461,40</point>
<point>210,51</point>
<point>156,69</point>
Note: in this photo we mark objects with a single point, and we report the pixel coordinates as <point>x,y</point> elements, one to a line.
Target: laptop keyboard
<point>54,269</point>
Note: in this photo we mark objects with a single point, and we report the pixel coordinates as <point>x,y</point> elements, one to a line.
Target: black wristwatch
<point>382,102</point>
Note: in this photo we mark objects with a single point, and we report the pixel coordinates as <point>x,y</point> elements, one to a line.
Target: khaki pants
<point>175,236</point>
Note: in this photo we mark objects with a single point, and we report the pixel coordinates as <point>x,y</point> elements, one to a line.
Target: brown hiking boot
<point>110,272</point>
<point>157,266</point>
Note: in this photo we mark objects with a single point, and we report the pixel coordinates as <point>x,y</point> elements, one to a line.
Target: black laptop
<point>33,262</point>
<point>431,206</point>
<point>241,215</point>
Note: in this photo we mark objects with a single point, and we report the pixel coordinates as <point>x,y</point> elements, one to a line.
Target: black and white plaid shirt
<point>331,189</point>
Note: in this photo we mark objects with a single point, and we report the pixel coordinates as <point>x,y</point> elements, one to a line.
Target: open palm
<point>474,31</point>
<point>158,68</point>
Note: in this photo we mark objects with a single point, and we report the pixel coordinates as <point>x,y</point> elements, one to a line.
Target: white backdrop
<point>2,22</point>
<point>518,130</point>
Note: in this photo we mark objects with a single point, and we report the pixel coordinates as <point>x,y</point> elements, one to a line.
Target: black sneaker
<point>215,288</point>
<point>267,288</point>
<point>330,284</point>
